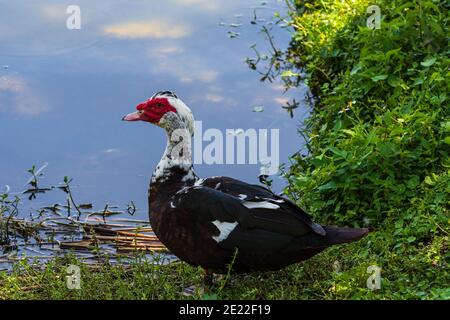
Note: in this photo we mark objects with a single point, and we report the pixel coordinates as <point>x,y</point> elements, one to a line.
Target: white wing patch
<point>275,200</point>
<point>260,204</point>
<point>189,176</point>
<point>225,229</point>
<point>242,196</point>
<point>199,182</point>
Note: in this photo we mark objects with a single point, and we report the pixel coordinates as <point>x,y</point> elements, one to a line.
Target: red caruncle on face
<point>154,109</point>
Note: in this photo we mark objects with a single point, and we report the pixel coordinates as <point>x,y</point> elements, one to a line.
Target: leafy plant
<point>378,137</point>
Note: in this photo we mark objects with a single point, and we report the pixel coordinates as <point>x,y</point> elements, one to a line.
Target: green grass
<point>415,273</point>
<point>378,137</point>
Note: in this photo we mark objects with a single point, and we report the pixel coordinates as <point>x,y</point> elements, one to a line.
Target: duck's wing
<point>256,223</point>
<point>259,197</point>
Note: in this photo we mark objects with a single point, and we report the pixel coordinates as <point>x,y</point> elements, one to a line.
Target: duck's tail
<point>336,235</point>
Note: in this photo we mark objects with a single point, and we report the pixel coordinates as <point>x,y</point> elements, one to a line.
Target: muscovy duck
<point>214,221</point>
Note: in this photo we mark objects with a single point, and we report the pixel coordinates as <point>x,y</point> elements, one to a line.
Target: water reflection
<point>63,91</point>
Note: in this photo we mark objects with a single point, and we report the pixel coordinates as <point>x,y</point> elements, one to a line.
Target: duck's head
<point>165,110</point>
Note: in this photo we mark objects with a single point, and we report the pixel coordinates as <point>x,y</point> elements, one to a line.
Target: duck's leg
<point>208,282</point>
<point>208,278</point>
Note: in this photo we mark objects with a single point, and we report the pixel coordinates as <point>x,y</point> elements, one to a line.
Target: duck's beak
<point>135,116</point>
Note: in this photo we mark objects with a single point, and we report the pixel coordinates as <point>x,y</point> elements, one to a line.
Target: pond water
<point>64,89</point>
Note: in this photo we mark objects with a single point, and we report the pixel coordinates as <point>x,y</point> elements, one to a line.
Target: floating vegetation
<point>53,230</point>
<point>258,109</point>
<point>255,18</point>
<point>232,34</point>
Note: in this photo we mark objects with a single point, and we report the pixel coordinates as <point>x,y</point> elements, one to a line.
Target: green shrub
<point>380,127</point>
<point>379,136</point>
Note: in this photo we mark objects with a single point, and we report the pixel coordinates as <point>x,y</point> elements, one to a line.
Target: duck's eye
<point>159,104</point>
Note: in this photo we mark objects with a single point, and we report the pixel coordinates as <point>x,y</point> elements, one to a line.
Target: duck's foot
<point>193,290</point>
<point>219,277</point>
<point>209,281</point>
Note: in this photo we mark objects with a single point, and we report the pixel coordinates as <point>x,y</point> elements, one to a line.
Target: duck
<point>220,223</point>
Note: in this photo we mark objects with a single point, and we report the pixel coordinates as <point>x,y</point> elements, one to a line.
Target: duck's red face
<point>151,110</point>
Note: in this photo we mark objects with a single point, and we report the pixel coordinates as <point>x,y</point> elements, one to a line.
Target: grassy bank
<point>318,278</point>
<point>379,136</point>
<point>379,142</point>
